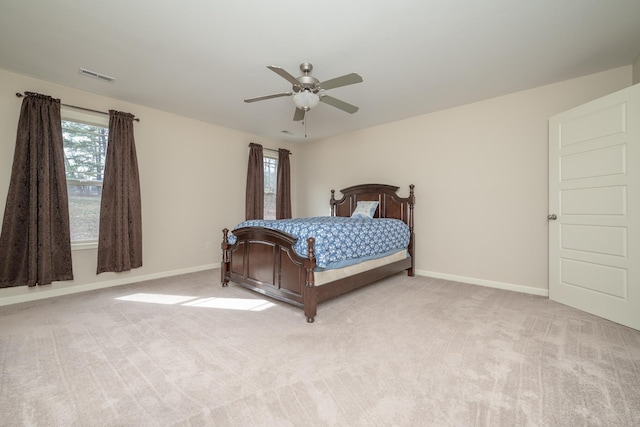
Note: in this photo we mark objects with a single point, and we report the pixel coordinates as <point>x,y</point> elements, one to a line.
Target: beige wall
<point>480,172</point>
<point>192,177</point>
<point>481,178</point>
<point>636,71</point>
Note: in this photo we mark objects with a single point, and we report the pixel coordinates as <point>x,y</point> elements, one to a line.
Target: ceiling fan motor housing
<point>306,81</point>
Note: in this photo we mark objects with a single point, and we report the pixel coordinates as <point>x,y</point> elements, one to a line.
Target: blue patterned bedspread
<point>340,241</point>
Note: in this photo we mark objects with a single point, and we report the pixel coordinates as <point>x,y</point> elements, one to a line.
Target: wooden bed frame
<point>264,260</point>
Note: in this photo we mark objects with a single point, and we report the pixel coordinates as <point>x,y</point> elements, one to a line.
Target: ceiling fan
<point>308,91</point>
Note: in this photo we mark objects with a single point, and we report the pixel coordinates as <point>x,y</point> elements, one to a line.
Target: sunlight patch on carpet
<point>191,301</point>
<point>232,303</point>
<point>157,298</point>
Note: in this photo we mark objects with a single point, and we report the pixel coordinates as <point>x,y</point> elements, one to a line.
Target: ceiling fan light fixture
<point>306,100</point>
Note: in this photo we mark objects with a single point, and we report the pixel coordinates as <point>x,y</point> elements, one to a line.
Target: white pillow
<point>365,209</point>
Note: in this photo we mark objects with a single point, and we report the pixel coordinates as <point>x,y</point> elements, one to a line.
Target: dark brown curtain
<point>35,244</point>
<point>283,186</point>
<point>254,207</point>
<point>120,236</point>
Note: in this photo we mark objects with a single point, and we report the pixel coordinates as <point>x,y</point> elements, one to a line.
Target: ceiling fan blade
<point>262,98</point>
<point>347,79</point>
<point>335,102</point>
<point>282,73</point>
<point>298,115</point>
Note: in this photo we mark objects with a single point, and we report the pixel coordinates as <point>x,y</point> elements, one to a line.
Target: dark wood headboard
<point>390,204</point>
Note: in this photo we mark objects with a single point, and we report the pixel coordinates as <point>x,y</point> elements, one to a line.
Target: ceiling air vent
<point>96,75</point>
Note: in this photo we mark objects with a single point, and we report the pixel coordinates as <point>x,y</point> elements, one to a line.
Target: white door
<point>594,193</point>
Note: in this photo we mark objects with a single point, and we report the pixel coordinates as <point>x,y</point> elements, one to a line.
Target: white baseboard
<point>488,283</point>
<point>42,292</point>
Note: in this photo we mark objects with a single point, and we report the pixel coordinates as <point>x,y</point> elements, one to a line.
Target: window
<point>270,181</point>
<point>85,147</point>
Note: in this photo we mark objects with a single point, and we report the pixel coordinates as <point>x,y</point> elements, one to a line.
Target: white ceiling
<point>201,58</point>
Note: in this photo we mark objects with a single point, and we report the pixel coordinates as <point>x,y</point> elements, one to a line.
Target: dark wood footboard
<point>264,260</point>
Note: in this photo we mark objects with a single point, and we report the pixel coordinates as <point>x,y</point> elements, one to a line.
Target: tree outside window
<point>85,147</point>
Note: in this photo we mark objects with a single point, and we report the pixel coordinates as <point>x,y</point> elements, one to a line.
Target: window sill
<point>82,246</point>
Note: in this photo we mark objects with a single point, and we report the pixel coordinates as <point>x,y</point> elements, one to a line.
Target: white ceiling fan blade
<point>335,102</point>
<point>262,98</point>
<point>282,73</point>
<point>347,79</point>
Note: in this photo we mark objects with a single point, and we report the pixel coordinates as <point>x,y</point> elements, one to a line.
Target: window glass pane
<point>85,147</point>
<point>270,179</point>
<point>84,211</point>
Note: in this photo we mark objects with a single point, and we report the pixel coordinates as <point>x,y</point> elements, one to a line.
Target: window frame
<point>92,119</point>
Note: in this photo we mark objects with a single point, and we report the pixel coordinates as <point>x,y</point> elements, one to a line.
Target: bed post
<point>332,203</point>
<point>224,266</point>
<point>412,200</point>
<point>310,299</point>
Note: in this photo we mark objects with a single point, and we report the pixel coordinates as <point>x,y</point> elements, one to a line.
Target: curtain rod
<point>19,95</point>
<point>271,149</point>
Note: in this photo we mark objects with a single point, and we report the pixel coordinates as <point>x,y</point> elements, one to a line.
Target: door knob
<point>552,217</point>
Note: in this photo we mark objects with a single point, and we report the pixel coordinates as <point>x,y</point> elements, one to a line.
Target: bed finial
<point>311,252</point>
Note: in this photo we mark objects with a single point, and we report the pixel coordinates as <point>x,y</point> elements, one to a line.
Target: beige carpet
<point>183,351</point>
